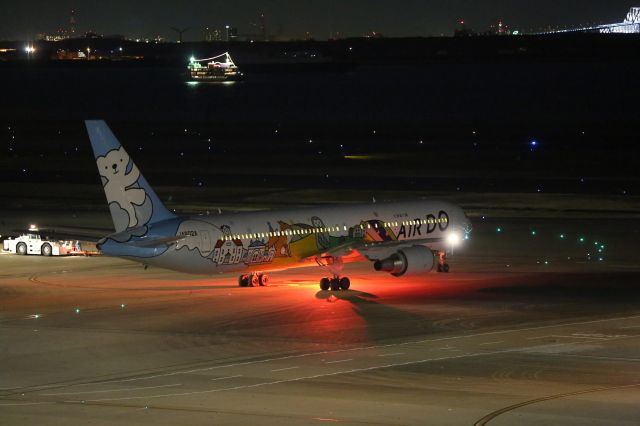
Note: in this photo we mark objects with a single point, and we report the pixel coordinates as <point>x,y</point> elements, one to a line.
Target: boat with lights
<point>217,68</point>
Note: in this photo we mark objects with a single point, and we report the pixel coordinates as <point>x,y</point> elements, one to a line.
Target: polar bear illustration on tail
<point>120,182</point>
<point>134,205</point>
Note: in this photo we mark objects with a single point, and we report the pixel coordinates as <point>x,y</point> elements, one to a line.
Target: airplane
<point>400,238</point>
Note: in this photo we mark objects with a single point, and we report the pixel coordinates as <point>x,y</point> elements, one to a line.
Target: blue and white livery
<point>399,238</point>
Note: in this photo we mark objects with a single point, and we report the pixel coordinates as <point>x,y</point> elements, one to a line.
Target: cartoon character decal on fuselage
<point>298,240</point>
<point>227,252</point>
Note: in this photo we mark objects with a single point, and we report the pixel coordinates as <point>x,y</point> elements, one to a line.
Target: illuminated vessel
<point>217,68</point>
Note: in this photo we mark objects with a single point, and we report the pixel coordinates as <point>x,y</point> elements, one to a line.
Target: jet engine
<point>407,261</point>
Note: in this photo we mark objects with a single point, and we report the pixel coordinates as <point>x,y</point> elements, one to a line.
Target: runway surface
<point>530,327</point>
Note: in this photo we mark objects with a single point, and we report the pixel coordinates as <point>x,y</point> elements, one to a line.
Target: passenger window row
<point>288,232</point>
<point>308,231</point>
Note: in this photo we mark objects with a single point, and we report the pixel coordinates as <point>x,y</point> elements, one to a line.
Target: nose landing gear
<point>443,266</point>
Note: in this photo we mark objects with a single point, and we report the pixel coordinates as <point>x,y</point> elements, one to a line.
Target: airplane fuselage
<point>275,240</point>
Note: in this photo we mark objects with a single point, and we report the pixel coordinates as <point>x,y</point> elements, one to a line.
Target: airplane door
<point>206,242</point>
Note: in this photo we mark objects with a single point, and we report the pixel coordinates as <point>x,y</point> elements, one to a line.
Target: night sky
<point>292,18</point>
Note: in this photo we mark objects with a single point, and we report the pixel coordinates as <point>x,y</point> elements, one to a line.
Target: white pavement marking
<point>540,337</point>
<point>491,343</point>
<point>390,345</point>
<point>340,360</point>
<point>284,369</point>
<point>228,377</point>
<point>25,403</point>
<point>578,337</point>
<point>393,354</point>
<point>112,390</point>
<point>297,379</point>
<point>607,358</point>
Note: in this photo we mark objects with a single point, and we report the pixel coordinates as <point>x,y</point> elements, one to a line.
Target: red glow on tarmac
<point>292,307</point>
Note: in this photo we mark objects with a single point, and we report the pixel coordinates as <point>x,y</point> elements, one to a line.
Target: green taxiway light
<point>562,236</point>
<point>581,239</point>
<point>77,310</point>
<point>533,233</point>
<point>498,229</point>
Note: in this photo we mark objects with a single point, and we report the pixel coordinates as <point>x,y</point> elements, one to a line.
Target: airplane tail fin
<point>132,202</point>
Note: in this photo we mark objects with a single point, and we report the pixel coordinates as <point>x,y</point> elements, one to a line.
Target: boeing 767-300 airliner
<point>400,238</point>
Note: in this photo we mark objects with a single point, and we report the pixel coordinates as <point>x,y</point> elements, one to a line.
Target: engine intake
<point>407,261</point>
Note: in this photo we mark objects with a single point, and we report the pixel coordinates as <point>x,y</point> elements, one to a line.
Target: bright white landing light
<point>453,238</point>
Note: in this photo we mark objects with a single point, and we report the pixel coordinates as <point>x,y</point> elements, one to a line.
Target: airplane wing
<point>378,250</point>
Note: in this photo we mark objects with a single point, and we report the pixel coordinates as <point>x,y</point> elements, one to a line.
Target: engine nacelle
<point>407,261</point>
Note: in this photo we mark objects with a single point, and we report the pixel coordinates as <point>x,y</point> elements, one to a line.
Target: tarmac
<point>537,323</point>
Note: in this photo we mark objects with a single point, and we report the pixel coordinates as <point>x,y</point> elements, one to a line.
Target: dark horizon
<point>291,19</point>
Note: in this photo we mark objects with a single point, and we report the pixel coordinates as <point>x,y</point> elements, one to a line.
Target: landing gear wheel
<point>46,250</point>
<point>263,279</point>
<point>21,248</point>
<point>439,267</point>
<point>325,284</point>
<point>243,280</point>
<point>345,283</point>
<point>335,284</point>
<point>255,280</point>
<point>445,267</point>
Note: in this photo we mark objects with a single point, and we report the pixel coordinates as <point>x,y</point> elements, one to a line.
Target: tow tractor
<point>31,242</point>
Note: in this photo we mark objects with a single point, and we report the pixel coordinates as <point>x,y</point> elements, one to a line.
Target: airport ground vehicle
<point>32,243</point>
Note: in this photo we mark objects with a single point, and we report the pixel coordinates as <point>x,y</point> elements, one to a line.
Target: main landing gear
<point>335,284</point>
<point>334,265</point>
<point>443,266</point>
<point>253,280</point>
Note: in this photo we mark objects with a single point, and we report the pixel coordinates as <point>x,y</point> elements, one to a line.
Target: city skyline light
<point>294,19</point>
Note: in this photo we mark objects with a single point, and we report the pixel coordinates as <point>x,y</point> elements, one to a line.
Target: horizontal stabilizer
<point>156,242</point>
